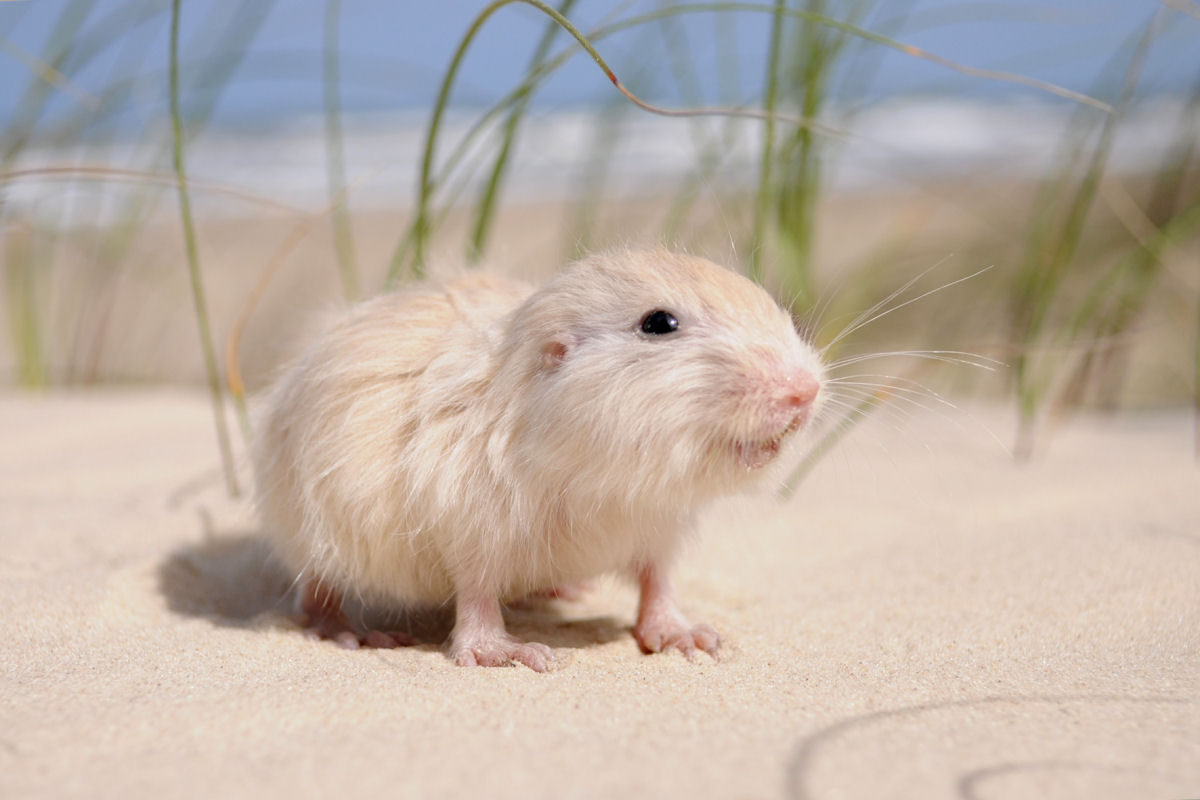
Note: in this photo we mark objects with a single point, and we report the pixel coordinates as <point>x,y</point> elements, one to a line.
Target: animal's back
<point>342,443</point>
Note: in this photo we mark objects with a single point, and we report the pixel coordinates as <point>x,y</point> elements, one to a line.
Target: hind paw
<point>325,621</point>
<point>345,636</point>
<point>659,635</point>
<point>497,652</point>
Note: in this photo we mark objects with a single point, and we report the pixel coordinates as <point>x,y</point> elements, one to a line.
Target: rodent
<point>482,440</point>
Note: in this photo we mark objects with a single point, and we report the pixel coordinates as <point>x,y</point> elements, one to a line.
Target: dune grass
<point>488,198</point>
<point>193,263</point>
<point>1075,286</point>
<point>1056,230</point>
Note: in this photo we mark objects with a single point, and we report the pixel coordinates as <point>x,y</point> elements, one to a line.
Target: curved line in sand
<point>812,745</point>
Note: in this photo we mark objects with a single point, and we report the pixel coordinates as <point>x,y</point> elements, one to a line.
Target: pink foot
<point>660,625</point>
<point>479,638</point>
<point>351,639</point>
<point>497,652</point>
<point>657,635</point>
<point>322,608</point>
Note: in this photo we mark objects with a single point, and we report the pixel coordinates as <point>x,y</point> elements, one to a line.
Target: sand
<point>923,619</point>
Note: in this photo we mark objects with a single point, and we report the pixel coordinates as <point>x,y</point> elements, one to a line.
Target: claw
<point>660,625</point>
<point>500,652</point>
<point>479,638</point>
<point>657,636</point>
<point>326,621</point>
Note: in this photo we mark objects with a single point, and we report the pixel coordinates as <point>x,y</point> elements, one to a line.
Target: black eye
<point>659,322</point>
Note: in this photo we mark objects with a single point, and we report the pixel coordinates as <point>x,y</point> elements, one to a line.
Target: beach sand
<point>924,618</point>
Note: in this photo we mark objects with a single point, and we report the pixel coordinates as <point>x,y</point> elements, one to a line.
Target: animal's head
<point>656,377</point>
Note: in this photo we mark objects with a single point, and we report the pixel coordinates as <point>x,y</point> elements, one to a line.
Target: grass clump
<point>1094,258</point>
<point>193,262</point>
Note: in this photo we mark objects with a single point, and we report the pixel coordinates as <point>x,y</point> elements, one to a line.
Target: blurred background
<point>855,155</point>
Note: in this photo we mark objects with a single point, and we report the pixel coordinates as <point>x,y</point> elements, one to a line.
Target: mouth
<point>758,453</point>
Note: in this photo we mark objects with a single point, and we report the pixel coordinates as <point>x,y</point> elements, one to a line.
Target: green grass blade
<point>710,145</point>
<point>21,267</point>
<point>1047,262</point>
<point>902,47</point>
<point>38,91</point>
<point>22,272</point>
<point>487,201</point>
<point>410,252</point>
<point>763,193</point>
<point>425,188</point>
<point>193,262</point>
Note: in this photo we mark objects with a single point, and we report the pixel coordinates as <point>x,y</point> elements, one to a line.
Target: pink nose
<point>802,389</point>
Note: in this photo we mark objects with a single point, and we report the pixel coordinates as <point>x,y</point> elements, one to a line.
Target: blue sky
<point>393,53</point>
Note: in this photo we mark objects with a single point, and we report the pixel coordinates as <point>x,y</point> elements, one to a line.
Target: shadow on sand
<point>231,579</point>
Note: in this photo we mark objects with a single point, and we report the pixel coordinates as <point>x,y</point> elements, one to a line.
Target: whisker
<point>910,397</point>
<point>813,324</point>
<point>886,383</point>
<point>882,395</point>
<point>866,316</point>
<point>909,302</point>
<point>909,394</point>
<point>887,391</point>
<point>830,435</point>
<point>871,402</point>
<point>961,357</point>
<point>849,403</point>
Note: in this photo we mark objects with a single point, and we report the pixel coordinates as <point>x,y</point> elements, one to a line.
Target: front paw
<point>497,651</point>
<point>657,635</point>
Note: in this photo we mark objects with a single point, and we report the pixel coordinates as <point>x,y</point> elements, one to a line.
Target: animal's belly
<point>580,556</point>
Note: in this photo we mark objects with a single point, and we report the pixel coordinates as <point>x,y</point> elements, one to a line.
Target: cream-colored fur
<point>484,433</point>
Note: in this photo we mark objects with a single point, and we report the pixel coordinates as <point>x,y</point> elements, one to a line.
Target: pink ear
<point>553,354</point>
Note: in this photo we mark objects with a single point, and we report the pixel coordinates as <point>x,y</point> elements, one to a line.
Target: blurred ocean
<point>261,95</point>
<point>889,145</point>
